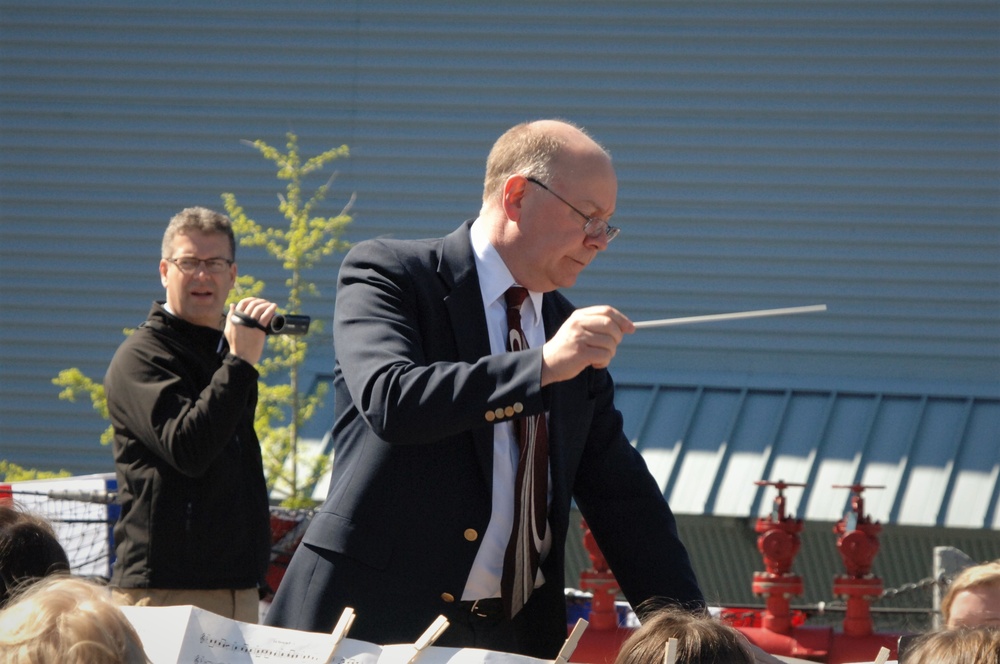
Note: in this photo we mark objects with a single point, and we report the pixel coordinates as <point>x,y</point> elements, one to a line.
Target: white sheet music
<point>189,635</point>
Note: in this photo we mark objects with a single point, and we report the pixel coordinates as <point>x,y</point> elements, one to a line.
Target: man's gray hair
<point>197,219</point>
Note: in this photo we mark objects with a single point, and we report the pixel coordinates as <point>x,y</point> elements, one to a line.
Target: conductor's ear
<point>513,196</point>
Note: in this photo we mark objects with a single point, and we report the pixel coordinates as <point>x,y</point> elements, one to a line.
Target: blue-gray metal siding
<point>929,460</point>
<point>769,154</point>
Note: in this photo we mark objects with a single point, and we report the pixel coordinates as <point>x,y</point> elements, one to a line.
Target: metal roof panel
<point>928,460</point>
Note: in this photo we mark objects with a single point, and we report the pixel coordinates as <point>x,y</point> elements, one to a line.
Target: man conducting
<point>472,405</point>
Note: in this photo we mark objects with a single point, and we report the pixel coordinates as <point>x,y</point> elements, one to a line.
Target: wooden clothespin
<point>883,655</point>
<point>340,630</point>
<point>670,651</point>
<point>429,636</point>
<point>344,624</point>
<point>570,645</point>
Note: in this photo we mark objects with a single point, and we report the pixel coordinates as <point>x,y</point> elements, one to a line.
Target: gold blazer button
<point>448,597</point>
<point>471,535</point>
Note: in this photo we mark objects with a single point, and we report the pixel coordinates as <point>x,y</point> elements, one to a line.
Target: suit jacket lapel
<point>467,320</point>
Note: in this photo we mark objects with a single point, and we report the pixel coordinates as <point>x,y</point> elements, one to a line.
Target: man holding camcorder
<point>194,525</point>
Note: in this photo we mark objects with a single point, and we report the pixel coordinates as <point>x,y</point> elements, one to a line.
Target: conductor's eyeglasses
<point>594,227</point>
<point>191,265</point>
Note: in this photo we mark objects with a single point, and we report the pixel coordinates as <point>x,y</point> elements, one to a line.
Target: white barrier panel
<point>82,512</point>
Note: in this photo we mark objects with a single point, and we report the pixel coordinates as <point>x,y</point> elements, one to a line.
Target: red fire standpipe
<point>858,545</point>
<point>601,582</point>
<point>779,543</point>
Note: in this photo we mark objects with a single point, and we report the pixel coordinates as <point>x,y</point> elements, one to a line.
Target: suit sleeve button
<point>490,416</point>
<point>499,413</point>
<point>471,535</point>
<point>518,407</point>
<point>448,597</point>
<point>509,411</point>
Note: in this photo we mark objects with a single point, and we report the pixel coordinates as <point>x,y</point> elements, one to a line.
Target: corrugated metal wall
<point>769,154</point>
<point>929,460</point>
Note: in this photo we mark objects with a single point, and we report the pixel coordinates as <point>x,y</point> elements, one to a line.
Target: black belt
<point>491,607</point>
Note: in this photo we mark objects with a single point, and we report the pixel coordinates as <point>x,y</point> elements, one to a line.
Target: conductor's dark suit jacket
<point>416,392</point>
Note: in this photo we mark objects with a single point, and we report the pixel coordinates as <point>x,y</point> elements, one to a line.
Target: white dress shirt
<point>494,280</point>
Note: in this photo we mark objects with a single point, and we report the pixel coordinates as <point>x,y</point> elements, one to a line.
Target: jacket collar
<point>204,337</point>
<point>457,268</point>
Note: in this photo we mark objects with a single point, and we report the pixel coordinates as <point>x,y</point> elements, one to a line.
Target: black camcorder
<point>280,323</point>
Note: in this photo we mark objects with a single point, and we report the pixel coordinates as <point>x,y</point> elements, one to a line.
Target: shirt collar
<point>494,277</point>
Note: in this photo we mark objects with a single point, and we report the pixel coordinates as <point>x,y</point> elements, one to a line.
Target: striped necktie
<point>520,563</point>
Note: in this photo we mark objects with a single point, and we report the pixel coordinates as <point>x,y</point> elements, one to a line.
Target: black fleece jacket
<point>194,507</point>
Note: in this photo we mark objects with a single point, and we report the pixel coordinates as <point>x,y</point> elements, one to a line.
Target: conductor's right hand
<point>588,338</point>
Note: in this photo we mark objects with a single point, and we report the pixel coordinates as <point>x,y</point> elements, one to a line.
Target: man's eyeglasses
<point>191,265</point>
<point>594,227</point>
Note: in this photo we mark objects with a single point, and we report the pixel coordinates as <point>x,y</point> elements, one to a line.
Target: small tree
<point>75,383</point>
<point>282,408</point>
<point>11,472</point>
